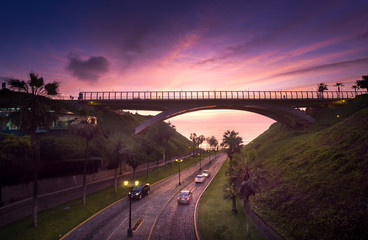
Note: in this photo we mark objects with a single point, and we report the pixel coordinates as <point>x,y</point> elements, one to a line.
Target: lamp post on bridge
<point>130,186</point>
<point>179,161</point>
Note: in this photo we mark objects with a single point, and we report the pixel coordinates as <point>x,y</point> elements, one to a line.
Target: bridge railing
<point>206,95</point>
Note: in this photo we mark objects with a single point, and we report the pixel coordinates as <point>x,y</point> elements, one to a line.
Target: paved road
<point>177,221</point>
<point>162,217</point>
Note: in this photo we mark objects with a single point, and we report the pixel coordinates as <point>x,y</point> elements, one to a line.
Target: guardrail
<point>221,95</point>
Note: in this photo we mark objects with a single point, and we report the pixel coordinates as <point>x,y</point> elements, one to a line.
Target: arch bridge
<point>282,106</point>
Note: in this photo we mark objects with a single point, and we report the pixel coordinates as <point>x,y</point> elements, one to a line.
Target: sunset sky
<point>187,45</point>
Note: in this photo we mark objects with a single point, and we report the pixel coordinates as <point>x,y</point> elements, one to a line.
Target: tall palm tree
<point>213,143</point>
<point>200,140</point>
<point>244,178</point>
<point>338,85</point>
<point>86,128</point>
<point>37,110</point>
<point>230,192</point>
<point>193,137</point>
<point>232,143</point>
<point>248,178</point>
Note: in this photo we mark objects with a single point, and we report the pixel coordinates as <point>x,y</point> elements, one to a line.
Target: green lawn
<point>215,220</point>
<point>55,222</point>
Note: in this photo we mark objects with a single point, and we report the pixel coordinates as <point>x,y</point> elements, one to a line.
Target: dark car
<point>184,196</point>
<point>140,191</point>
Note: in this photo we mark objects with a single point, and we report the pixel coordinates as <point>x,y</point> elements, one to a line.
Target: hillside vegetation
<point>317,178</point>
<point>63,153</point>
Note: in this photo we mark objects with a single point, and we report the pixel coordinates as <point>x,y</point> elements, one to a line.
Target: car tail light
<point>188,198</point>
<point>178,198</point>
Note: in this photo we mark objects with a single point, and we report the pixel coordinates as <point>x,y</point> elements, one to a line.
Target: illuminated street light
<point>179,161</point>
<point>129,185</point>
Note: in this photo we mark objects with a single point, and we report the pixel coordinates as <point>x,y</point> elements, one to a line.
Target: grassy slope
<point>317,184</point>
<point>214,207</point>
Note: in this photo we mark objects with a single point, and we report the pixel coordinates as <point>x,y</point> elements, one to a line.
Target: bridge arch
<point>283,114</point>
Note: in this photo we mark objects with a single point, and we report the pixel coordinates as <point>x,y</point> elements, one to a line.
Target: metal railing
<point>221,95</point>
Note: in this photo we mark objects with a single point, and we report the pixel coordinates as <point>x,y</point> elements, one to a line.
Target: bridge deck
<point>220,95</point>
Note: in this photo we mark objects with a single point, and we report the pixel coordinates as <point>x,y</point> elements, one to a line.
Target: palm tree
<point>213,143</point>
<point>86,128</point>
<point>232,143</point>
<point>244,178</point>
<point>338,85</point>
<point>248,178</point>
<point>363,83</point>
<point>197,141</point>
<point>230,192</point>
<point>37,110</point>
<point>200,140</point>
<point>193,137</point>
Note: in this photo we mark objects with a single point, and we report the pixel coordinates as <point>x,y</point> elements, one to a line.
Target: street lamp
<point>130,185</point>
<point>179,161</point>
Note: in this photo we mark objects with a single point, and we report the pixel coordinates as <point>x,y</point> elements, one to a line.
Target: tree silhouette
<point>321,87</point>
<point>338,85</point>
<point>116,152</point>
<point>135,154</point>
<point>198,141</point>
<point>149,148</point>
<point>193,137</point>
<point>363,83</point>
<point>355,87</point>
<point>232,143</point>
<point>86,128</point>
<point>162,133</point>
<point>37,110</point>
<point>245,177</point>
<point>212,141</point>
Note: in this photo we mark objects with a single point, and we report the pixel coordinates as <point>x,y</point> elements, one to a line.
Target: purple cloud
<point>87,70</point>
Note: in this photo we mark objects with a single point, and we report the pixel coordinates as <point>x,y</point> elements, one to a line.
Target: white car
<point>199,179</point>
<point>205,173</point>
